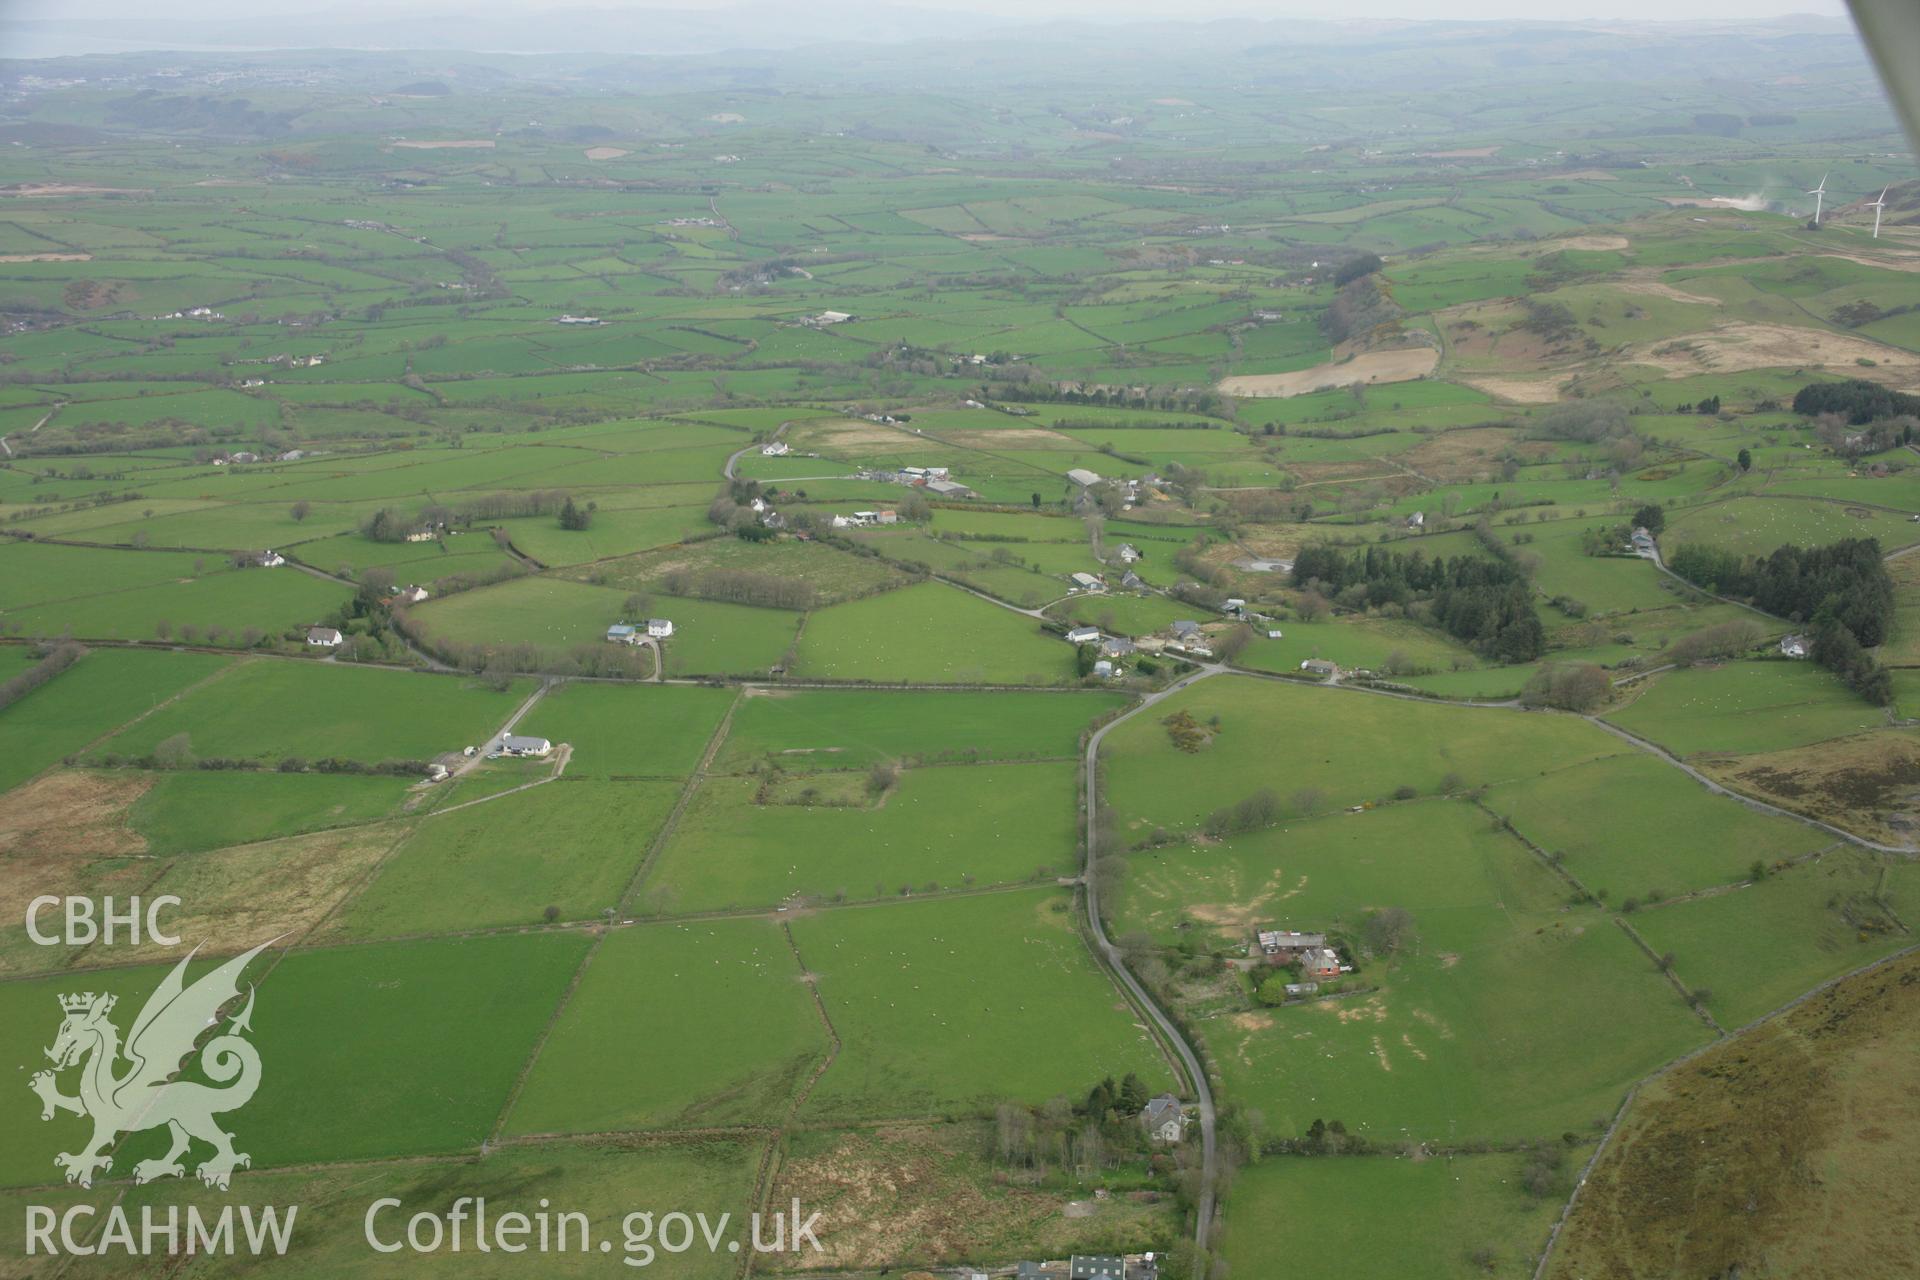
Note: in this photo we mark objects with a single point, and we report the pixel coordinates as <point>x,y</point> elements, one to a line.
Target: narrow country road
<point>733,459</point>
<point>1202,1091</point>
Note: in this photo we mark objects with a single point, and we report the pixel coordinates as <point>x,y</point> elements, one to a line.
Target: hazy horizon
<point>53,28</point>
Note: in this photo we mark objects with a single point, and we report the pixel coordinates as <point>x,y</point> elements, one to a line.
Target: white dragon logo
<point>147,1095</point>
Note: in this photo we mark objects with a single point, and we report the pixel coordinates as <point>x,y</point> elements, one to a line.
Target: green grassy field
<point>1634,825</point>
<point>933,633</point>
<point>732,987</point>
<point>89,700</point>
<point>1384,1216</point>
<point>853,728</point>
<point>1384,647</point>
<point>712,637</point>
<point>547,612</point>
<point>223,607</point>
<point>567,845</point>
<point>1746,706</point>
<point>1758,947</point>
<point>926,999</point>
<point>426,1004</point>
<point>1471,1031</point>
<point>1351,747</point>
<point>274,710</point>
<point>1755,526</point>
<point>193,810</point>
<point>941,827</point>
<point>629,731</point>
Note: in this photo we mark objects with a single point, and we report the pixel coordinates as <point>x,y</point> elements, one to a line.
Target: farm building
<point>1104,669</point>
<point>1302,988</point>
<point>659,628</point>
<point>1320,962</point>
<point>1087,582</point>
<point>1283,945</point>
<point>324,637</point>
<point>1132,581</point>
<point>947,488</point>
<point>1320,667</point>
<point>517,745</point>
<point>1083,635</point>
<point>1084,478</point>
<point>1162,1120</point>
<point>623,633</point>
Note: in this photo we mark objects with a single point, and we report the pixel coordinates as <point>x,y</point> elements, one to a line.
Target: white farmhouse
<point>1162,1120</point>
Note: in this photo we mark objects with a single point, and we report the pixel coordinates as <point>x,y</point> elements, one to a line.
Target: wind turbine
<point>1878,206</point>
<point>1819,195</point>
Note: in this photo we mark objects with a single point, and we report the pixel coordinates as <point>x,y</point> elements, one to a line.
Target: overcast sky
<point>258,10</point>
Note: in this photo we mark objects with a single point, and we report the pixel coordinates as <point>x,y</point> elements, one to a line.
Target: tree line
<point>741,586</point>
<point>1842,590</point>
<point>1859,400</point>
<point>1487,603</point>
<point>56,660</point>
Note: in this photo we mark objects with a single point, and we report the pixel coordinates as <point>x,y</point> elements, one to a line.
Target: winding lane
<point>1110,955</point>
